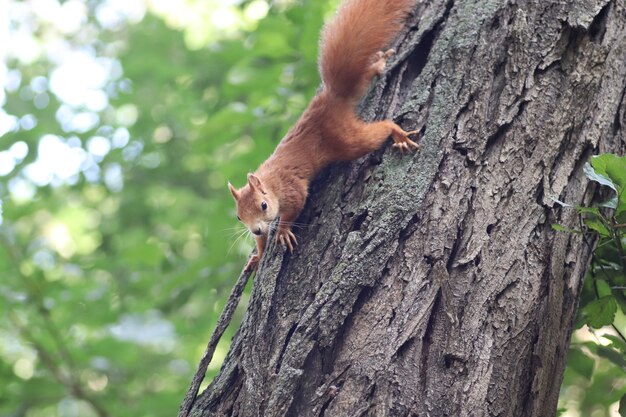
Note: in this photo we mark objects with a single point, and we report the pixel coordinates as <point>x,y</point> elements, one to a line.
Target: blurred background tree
<point>120,123</point>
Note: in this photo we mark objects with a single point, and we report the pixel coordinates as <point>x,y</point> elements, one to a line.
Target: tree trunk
<point>433,285</point>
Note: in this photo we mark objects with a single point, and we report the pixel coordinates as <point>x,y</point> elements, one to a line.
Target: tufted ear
<point>233,191</point>
<point>255,183</point>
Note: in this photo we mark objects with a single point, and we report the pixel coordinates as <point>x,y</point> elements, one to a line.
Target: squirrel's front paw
<point>402,141</point>
<point>286,238</point>
<point>253,263</point>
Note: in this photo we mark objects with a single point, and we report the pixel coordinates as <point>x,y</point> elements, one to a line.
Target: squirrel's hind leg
<point>375,134</point>
<point>380,60</point>
<point>401,139</point>
<point>377,67</point>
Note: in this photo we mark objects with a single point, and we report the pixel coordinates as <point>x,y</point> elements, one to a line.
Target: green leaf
<point>613,168</point>
<point>600,312</point>
<point>591,173</point>
<point>620,297</point>
<point>622,406</point>
<point>603,288</point>
<point>617,342</point>
<point>589,210</point>
<point>580,363</point>
<point>598,227</point>
<point>613,355</point>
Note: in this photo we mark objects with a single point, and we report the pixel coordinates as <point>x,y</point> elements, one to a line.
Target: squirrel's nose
<point>257,232</point>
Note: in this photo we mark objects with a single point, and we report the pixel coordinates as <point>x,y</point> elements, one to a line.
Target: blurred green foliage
<point>119,243</point>
<point>595,378</point>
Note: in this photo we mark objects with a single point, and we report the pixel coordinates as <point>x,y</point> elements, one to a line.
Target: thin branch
<point>222,324</point>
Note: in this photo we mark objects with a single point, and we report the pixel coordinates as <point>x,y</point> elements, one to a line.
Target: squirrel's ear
<point>233,191</point>
<point>255,183</point>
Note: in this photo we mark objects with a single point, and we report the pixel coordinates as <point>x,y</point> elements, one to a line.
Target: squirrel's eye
<point>238,218</point>
<point>264,206</point>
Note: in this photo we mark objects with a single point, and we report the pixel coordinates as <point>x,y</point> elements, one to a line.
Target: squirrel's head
<point>257,207</point>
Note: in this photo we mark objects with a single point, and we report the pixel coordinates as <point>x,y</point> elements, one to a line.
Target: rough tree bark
<point>433,285</point>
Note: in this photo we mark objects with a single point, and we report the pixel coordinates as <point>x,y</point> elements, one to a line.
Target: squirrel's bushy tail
<point>351,38</point>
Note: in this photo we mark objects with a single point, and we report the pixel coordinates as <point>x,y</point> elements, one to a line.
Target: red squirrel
<point>329,129</point>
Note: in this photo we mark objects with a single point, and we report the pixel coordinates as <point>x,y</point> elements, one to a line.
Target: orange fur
<point>328,130</point>
<point>359,30</point>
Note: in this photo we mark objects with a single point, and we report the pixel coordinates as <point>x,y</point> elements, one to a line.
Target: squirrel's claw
<point>287,238</point>
<point>402,141</point>
<point>406,147</point>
